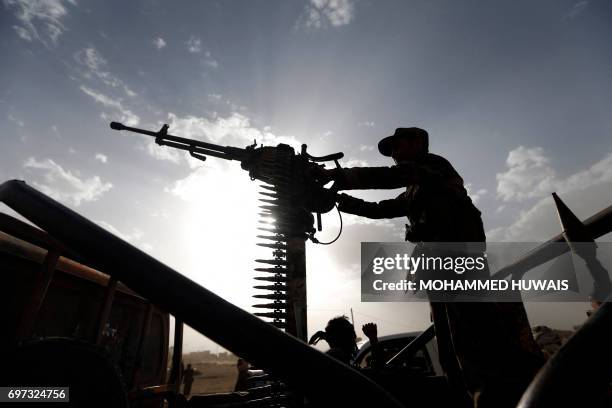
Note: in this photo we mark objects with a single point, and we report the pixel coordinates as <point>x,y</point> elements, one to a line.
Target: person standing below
<point>243,375</point>
<point>342,339</point>
<point>485,348</point>
<point>188,375</point>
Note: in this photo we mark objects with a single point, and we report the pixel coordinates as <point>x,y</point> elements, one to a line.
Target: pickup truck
<point>424,362</point>
<point>414,378</point>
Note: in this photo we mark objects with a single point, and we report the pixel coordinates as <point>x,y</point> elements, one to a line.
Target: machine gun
<point>291,194</point>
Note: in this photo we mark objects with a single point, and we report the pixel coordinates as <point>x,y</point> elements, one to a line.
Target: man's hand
<point>371,331</point>
<point>324,176</point>
<point>342,198</point>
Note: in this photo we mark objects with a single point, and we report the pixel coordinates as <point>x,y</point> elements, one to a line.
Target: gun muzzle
<point>117,126</point>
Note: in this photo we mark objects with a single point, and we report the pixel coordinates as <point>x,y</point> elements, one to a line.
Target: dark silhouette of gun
<point>274,165</point>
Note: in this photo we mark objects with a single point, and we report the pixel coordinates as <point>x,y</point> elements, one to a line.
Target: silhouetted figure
<point>243,375</point>
<point>370,330</point>
<point>487,346</point>
<point>340,335</point>
<point>188,375</point>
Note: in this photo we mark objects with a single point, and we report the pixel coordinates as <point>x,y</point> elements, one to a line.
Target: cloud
<point>214,97</point>
<point>22,33</point>
<point>15,120</point>
<point>585,192</point>
<point>159,43</point>
<point>162,152</point>
<point>233,130</point>
<point>195,186</point>
<point>366,124</point>
<point>194,45</point>
<point>355,163</point>
<point>160,213</point>
<point>351,219</point>
<point>529,175</point>
<point>101,157</point>
<point>367,148</point>
<point>126,116</point>
<point>64,185</point>
<point>475,195</point>
<point>209,61</point>
<point>134,237</point>
<point>92,59</point>
<point>40,20</point>
<point>599,173</point>
<point>322,13</point>
<point>95,66</point>
<point>576,9</point>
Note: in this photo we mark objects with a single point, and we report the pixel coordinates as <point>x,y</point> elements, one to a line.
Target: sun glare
<point>217,230</point>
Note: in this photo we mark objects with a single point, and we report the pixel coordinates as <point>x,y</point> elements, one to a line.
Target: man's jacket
<point>435,201</point>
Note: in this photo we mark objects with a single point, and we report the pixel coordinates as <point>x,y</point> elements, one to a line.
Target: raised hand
<point>371,331</point>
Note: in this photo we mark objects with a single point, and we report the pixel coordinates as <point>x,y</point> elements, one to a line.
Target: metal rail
<point>325,381</point>
<point>579,373</point>
<point>596,226</point>
<point>415,345</point>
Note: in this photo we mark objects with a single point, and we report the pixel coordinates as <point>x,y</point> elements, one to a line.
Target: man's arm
<point>371,332</point>
<point>397,207</point>
<point>366,178</point>
<point>431,170</point>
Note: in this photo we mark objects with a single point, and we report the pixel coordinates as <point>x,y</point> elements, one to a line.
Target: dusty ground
<point>214,378</point>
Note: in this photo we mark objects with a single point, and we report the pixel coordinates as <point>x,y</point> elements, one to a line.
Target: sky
<point>515,94</point>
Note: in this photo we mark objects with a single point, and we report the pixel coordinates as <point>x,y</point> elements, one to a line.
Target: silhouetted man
<point>188,380</point>
<point>342,339</point>
<point>486,346</point>
<point>243,375</point>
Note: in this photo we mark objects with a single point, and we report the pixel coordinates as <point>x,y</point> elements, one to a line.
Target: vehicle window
<point>122,332</point>
<point>418,363</point>
<point>153,353</point>
<point>77,301</point>
<point>215,369</point>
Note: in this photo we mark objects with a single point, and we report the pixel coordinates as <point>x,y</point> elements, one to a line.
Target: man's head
<point>340,333</point>
<point>242,365</point>
<point>406,144</point>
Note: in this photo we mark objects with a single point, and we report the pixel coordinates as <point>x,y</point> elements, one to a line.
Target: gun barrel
<point>191,145</point>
